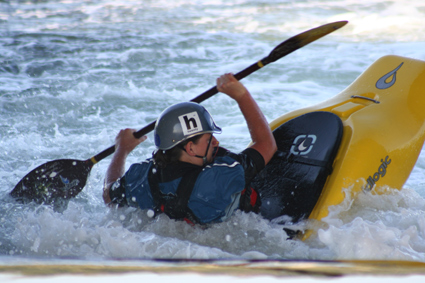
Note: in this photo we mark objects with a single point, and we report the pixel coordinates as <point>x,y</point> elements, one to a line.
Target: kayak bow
<point>383,130</point>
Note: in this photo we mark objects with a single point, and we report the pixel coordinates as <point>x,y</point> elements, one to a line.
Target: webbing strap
<point>307,161</point>
<point>174,206</point>
<point>153,180</point>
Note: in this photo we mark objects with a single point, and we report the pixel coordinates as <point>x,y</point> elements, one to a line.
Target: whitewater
<point>73,73</point>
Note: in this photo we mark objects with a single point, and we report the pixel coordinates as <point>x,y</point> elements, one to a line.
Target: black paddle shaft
<point>59,180</point>
<point>283,49</point>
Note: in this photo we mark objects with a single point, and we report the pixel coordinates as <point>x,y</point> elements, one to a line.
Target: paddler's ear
<point>188,147</point>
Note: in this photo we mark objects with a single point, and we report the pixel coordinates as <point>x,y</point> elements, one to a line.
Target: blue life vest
<point>215,195</point>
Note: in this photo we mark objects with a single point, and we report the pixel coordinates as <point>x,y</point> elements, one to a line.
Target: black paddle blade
<point>58,179</point>
<point>302,39</point>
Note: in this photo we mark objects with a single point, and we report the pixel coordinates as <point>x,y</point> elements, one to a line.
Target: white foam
<point>115,65</point>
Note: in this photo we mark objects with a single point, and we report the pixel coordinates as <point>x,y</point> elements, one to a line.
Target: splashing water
<point>75,72</point>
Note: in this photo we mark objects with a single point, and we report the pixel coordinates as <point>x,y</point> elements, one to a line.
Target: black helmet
<point>180,122</point>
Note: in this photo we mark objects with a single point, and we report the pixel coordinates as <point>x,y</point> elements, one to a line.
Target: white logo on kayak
<point>303,144</point>
<point>382,82</point>
<point>190,123</point>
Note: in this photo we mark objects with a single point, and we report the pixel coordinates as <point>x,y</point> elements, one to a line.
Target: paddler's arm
<point>261,135</point>
<point>125,142</point>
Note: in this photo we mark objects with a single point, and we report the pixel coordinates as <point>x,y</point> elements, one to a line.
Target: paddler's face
<point>202,145</point>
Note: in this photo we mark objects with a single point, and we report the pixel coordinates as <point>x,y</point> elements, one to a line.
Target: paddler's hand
<point>229,85</point>
<point>125,141</point>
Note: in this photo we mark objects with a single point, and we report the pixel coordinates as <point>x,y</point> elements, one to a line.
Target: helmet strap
<point>204,158</point>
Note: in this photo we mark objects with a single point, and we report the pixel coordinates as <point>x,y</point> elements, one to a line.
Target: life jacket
<point>219,191</point>
<point>174,206</point>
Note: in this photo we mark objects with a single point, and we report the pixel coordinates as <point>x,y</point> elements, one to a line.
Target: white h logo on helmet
<point>190,123</point>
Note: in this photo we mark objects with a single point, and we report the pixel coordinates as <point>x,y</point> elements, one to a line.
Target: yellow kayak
<point>381,123</point>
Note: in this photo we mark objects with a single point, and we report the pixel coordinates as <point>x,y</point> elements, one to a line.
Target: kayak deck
<point>383,132</point>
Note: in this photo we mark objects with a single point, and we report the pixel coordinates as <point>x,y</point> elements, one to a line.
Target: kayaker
<point>189,176</point>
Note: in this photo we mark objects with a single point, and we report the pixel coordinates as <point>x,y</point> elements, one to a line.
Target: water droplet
<point>150,213</point>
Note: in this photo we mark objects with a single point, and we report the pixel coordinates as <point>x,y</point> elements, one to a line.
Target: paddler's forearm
<point>261,135</point>
<point>115,171</point>
<point>125,142</point>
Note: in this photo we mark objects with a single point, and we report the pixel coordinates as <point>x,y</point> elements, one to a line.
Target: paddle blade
<point>302,39</point>
<point>58,179</point>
